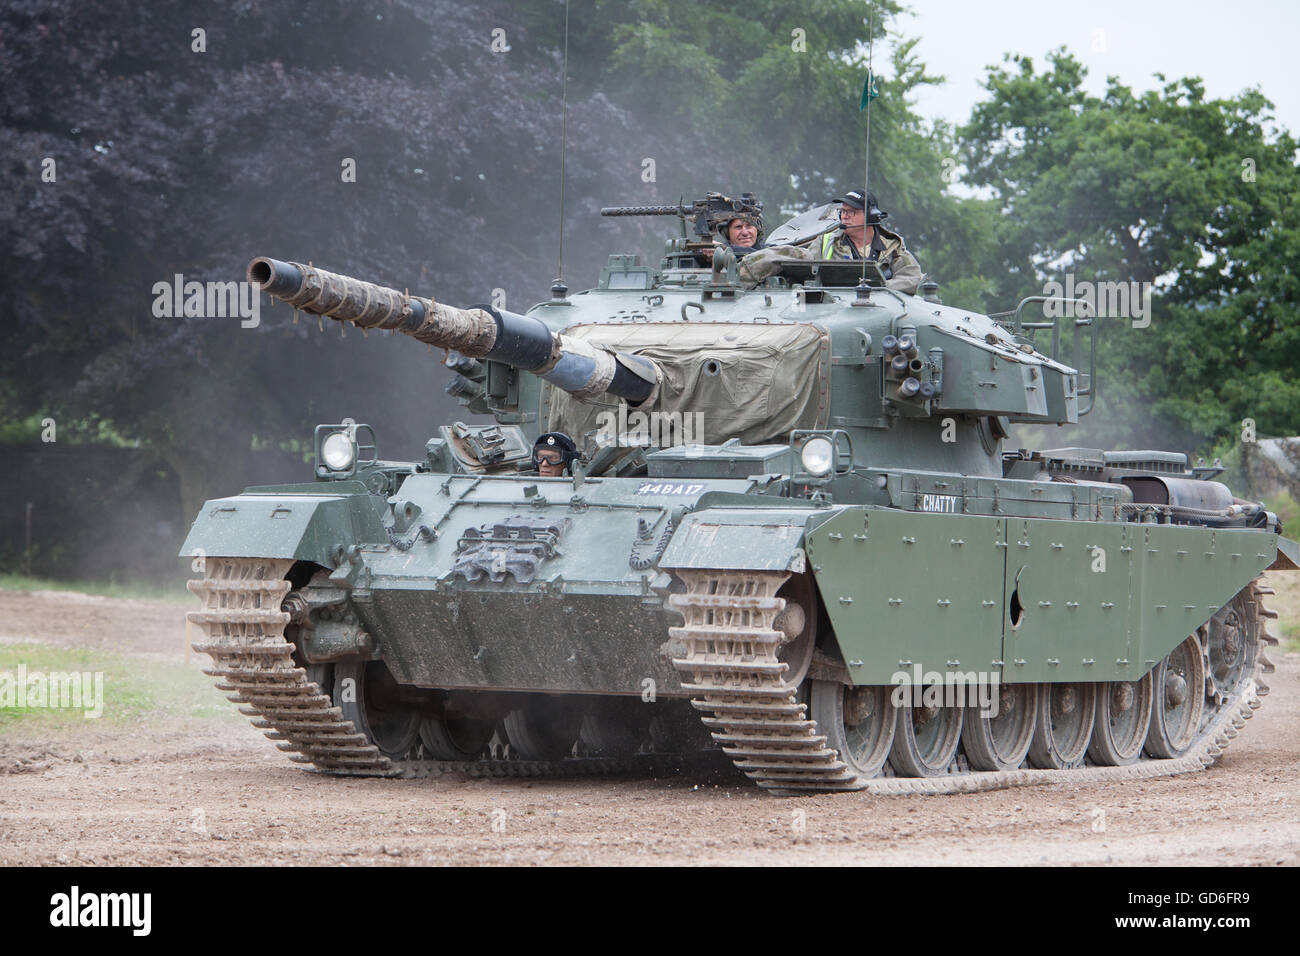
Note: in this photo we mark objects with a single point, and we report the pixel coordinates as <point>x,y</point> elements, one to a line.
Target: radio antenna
<point>870,94</point>
<point>564,142</point>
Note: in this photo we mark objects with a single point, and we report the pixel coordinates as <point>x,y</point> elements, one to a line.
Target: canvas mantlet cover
<point>754,382</point>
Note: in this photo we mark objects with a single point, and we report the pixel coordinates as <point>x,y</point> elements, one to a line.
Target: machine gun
<point>705,214</point>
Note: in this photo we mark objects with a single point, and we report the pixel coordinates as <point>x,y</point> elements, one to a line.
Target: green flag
<point>870,90</point>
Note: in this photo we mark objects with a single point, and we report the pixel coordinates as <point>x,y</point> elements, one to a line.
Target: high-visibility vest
<point>828,240</point>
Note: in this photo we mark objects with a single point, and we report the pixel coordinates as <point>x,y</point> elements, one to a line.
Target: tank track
<point>729,661</point>
<point>730,665</point>
<point>244,635</point>
<point>243,629</point>
<point>729,654</point>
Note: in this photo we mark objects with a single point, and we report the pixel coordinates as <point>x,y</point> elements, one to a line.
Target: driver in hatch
<point>553,454</point>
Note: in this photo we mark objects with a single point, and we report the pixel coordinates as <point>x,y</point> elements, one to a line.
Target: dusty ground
<point>180,789</point>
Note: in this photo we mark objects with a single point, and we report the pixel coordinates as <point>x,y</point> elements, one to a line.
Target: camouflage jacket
<point>902,272</point>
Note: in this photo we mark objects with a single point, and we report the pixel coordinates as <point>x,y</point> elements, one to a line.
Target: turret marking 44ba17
<point>800,583</point>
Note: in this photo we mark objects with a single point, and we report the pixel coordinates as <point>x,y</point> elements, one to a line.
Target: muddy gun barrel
<point>481,332</point>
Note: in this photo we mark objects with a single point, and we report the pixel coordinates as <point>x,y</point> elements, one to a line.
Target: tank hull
<point>906,592</point>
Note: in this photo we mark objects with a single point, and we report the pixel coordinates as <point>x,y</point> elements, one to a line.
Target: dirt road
<point>170,787</point>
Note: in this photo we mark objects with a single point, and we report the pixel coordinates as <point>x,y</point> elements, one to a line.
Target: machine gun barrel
<point>646,211</point>
<point>707,213</point>
<point>521,341</point>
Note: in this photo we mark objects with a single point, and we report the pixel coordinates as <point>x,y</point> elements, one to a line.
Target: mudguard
<point>753,539</point>
<point>280,524</point>
<point>744,539</point>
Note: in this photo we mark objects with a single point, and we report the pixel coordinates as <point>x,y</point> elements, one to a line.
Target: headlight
<point>337,451</point>
<point>817,456</point>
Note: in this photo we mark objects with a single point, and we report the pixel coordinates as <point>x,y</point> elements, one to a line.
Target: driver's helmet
<point>558,441</point>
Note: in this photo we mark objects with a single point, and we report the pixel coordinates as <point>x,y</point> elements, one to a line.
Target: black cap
<point>559,441</point>
<point>865,199</point>
<point>854,199</point>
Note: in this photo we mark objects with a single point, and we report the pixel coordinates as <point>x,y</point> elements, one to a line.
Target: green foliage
<point>1285,507</point>
<point>21,431</point>
<point>762,107</point>
<point>1195,195</point>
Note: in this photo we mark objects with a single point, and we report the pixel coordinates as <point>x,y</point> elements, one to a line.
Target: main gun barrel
<point>493,334</point>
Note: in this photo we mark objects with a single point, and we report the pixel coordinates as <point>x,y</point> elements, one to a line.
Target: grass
<point>136,689</point>
<point>1288,633</point>
<point>1287,603</point>
<point>171,592</point>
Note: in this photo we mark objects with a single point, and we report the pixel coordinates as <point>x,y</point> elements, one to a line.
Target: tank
<point>793,539</point>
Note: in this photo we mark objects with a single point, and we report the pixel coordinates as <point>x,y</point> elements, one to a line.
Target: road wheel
<point>1000,741</point>
<point>1178,688</point>
<point>369,696</point>
<point>1063,725</point>
<point>456,738</point>
<point>858,722</point>
<point>543,729</point>
<point>1120,727</point>
<point>925,738</point>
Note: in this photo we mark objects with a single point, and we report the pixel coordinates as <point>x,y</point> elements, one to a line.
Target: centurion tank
<point>794,535</point>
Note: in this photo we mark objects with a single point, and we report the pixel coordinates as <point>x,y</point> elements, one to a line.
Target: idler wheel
<point>370,697</point>
<point>1178,686</point>
<point>1233,646</point>
<point>1063,725</point>
<point>858,723</point>
<point>1120,727</point>
<point>1000,741</point>
<point>544,729</point>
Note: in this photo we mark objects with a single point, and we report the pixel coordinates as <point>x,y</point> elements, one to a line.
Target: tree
<point>177,153</point>
<point>1196,196</point>
<point>763,96</point>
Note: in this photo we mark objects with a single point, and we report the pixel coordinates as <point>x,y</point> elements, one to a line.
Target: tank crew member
<point>553,454</point>
<point>743,234</point>
<point>861,233</point>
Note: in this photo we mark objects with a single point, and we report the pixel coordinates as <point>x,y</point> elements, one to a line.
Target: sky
<point>1231,46</point>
